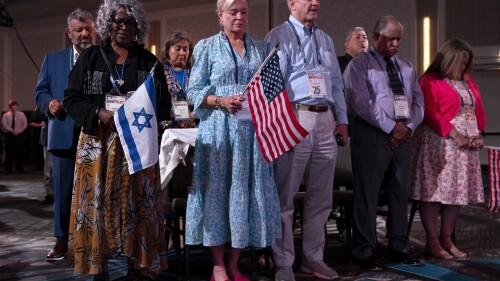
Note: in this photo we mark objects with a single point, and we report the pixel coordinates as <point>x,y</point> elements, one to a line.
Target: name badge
<point>401,108</point>
<point>113,103</point>
<point>181,110</point>
<point>244,113</point>
<point>317,86</point>
<point>471,124</point>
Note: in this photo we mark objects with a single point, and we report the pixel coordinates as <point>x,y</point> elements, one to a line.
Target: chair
<point>342,198</point>
<point>343,193</point>
<point>178,191</point>
<point>176,219</point>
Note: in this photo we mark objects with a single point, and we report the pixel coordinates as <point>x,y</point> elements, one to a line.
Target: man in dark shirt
<point>14,124</point>
<point>355,43</point>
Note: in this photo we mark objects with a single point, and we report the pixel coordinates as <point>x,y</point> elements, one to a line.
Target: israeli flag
<point>137,127</point>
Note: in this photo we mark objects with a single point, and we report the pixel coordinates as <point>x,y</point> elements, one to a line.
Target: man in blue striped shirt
<point>314,86</point>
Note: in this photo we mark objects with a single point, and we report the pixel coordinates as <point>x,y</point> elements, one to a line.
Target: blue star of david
<point>146,123</point>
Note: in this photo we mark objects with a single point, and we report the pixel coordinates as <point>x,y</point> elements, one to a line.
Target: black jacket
<point>89,82</point>
<point>344,61</point>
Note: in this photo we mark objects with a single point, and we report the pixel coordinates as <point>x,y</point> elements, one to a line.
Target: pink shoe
<point>240,278</point>
<point>213,279</point>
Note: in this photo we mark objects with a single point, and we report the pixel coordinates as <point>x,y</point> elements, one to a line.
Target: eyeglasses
<point>130,23</point>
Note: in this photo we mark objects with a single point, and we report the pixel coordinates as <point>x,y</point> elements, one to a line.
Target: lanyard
<point>458,93</point>
<point>396,65</point>
<point>71,58</point>
<point>300,44</point>
<point>235,59</point>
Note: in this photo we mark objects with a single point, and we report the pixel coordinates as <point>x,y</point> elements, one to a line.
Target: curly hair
<point>108,9</point>
<point>176,36</point>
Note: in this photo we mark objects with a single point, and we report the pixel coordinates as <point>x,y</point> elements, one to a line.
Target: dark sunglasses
<point>128,22</point>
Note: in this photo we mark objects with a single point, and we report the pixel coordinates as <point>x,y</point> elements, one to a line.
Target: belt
<point>313,108</point>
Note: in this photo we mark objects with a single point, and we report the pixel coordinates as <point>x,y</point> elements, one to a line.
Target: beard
<point>83,46</point>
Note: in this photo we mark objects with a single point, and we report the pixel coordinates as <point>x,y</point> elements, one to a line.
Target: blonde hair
<point>223,5</point>
<point>450,55</point>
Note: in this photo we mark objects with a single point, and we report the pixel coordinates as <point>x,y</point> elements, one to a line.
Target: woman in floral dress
<point>446,171</point>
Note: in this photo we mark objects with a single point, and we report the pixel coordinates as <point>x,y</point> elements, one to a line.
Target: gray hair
<point>108,9</point>
<point>348,34</point>
<point>381,24</point>
<point>80,15</point>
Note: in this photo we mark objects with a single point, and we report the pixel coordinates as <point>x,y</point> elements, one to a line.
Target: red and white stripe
<point>494,177</point>
<point>276,127</point>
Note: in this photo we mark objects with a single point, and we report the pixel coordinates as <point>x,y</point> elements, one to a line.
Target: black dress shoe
<point>58,252</point>
<point>369,263</point>
<point>49,199</point>
<point>404,258</point>
<point>104,276</point>
<point>134,275</point>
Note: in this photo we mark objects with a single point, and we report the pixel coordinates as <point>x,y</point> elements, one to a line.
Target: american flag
<point>276,127</point>
<point>494,176</point>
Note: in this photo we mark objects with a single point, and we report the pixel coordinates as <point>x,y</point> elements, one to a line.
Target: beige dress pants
<point>312,160</point>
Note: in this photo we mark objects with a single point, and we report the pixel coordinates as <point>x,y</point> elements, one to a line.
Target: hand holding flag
<point>276,128</point>
<point>138,128</point>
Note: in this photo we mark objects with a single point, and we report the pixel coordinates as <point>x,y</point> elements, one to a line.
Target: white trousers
<point>312,160</point>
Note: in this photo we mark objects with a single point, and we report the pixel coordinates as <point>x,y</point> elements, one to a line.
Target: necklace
<point>120,75</point>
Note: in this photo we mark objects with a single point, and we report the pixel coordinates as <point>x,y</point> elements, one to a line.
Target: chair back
<point>182,177</point>
<point>343,168</point>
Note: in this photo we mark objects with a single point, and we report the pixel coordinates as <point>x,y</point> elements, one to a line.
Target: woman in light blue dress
<point>233,198</point>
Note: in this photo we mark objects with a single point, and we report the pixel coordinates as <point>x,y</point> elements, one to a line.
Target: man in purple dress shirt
<point>384,96</point>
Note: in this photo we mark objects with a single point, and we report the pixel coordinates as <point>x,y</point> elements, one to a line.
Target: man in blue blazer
<point>62,131</point>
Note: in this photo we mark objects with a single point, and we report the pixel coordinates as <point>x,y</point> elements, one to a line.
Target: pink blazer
<point>442,103</point>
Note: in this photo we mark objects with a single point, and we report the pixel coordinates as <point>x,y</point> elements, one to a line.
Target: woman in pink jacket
<point>446,170</point>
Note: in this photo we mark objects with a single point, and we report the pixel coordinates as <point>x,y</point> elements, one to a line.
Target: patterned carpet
<point>26,229</point>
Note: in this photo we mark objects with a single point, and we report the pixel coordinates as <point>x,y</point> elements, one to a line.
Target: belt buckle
<point>313,108</point>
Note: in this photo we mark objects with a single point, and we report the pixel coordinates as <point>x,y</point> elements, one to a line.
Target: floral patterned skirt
<point>114,213</point>
<point>441,172</point>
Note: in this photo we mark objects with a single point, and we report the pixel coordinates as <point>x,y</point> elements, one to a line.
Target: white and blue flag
<point>137,127</point>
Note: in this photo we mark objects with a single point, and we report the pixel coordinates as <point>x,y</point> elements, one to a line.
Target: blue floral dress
<point>233,197</point>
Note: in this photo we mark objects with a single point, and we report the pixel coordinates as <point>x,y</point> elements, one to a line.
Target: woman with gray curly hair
<point>134,10</point>
<point>114,212</point>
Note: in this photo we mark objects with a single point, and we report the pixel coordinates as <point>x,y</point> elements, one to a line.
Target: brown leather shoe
<point>58,252</point>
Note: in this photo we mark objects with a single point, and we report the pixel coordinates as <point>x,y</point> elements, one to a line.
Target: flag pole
<point>273,51</point>
<point>492,147</point>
